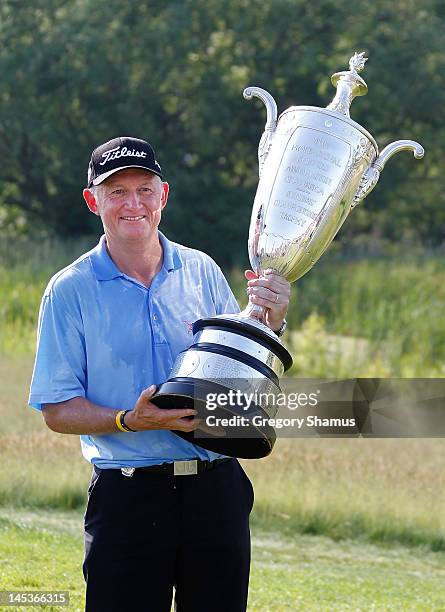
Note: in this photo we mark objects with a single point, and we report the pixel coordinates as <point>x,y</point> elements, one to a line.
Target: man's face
<point>129,203</point>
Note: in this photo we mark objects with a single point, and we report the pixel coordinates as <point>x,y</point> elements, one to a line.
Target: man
<point>110,327</point>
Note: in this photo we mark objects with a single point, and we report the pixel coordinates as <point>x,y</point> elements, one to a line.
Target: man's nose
<point>133,199</point>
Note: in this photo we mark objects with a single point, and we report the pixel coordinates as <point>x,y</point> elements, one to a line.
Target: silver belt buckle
<point>185,468</point>
<point>128,471</point>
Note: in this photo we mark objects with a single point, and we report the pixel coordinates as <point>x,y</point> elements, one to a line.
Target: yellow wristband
<point>118,420</point>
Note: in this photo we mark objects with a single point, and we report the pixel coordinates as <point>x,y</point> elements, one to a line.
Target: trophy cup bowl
<point>315,166</point>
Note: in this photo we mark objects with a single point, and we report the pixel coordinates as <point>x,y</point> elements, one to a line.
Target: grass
<point>25,269</point>
<point>333,487</point>
<point>374,490</point>
<point>314,573</point>
<point>322,505</point>
<point>40,468</point>
<point>44,550</point>
<point>40,557</point>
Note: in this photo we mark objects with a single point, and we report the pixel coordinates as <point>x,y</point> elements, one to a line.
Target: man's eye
<point>145,190</point>
<point>117,192</point>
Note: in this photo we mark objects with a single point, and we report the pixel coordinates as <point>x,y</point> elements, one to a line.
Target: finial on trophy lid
<point>349,84</point>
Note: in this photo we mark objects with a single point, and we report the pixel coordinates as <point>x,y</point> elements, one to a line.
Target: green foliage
<point>75,73</point>
<point>380,317</point>
<point>394,305</point>
<point>25,269</point>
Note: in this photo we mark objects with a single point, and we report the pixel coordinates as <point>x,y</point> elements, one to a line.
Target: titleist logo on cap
<point>121,152</point>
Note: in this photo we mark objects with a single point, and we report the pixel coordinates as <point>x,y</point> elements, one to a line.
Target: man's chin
<point>138,233</point>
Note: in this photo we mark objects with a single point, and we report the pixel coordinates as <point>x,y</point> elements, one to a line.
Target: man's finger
<point>250,275</point>
<point>264,292</point>
<point>256,299</point>
<point>268,281</point>
<point>187,426</point>
<point>148,393</point>
<point>166,414</point>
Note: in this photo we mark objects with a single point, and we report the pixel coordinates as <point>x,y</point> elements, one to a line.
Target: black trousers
<point>150,532</point>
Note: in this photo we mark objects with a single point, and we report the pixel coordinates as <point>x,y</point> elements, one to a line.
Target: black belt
<point>188,467</point>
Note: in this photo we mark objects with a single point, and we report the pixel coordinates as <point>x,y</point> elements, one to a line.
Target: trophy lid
<point>349,85</point>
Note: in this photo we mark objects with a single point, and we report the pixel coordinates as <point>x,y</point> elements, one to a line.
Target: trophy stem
<point>254,311</point>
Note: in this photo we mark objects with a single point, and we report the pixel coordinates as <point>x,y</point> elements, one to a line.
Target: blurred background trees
<point>76,73</point>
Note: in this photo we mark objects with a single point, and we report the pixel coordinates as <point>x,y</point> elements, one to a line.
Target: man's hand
<point>271,291</point>
<point>146,415</point>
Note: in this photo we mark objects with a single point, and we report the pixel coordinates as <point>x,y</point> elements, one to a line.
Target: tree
<point>76,73</point>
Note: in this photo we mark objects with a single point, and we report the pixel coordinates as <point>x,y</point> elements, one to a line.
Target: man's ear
<point>89,198</point>
<point>164,196</point>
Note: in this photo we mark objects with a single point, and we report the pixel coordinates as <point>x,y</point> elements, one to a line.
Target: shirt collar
<point>172,260</point>
<point>105,268</point>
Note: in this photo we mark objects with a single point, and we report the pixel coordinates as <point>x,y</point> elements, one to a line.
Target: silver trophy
<point>315,166</point>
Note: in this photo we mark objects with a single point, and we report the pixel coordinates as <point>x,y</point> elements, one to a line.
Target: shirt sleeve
<point>224,300</point>
<point>60,364</point>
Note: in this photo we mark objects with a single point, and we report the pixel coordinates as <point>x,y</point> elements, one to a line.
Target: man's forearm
<point>80,416</point>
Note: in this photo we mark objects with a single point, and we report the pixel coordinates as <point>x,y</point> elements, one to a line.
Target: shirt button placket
<point>152,308</point>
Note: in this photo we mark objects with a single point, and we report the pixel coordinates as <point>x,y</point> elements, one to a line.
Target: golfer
<point>110,327</point>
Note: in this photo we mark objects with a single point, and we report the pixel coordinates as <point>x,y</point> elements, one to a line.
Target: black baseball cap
<point>120,153</point>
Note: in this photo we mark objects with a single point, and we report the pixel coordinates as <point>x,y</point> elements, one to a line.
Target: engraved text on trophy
<point>309,172</point>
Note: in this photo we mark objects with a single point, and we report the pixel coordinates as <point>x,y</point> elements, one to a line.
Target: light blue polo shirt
<point>104,336</point>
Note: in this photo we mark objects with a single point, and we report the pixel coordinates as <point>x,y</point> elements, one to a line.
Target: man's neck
<point>140,260</point>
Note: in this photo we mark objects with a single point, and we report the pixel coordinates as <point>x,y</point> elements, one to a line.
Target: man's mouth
<point>133,218</point>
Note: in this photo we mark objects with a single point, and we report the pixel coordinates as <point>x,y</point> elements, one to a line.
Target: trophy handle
<point>271,122</point>
<point>372,174</point>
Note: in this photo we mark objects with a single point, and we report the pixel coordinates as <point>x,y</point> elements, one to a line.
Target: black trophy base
<point>242,438</point>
